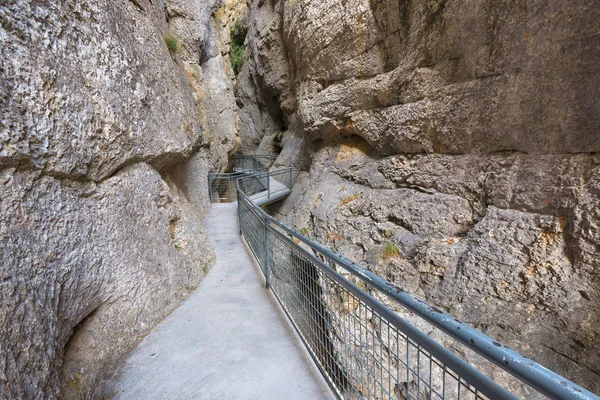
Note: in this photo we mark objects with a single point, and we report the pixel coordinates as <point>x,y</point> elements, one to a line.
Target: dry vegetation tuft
<point>390,250</point>
<point>348,199</point>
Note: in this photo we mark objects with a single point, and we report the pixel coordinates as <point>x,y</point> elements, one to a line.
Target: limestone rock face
<point>504,243</point>
<point>106,139</point>
<point>122,254</point>
<point>465,134</point>
<point>203,30</point>
<point>83,94</point>
<point>263,90</point>
<point>448,77</point>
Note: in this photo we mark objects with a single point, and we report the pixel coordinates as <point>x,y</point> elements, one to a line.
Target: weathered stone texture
<point>204,33</point>
<point>503,242</point>
<point>89,87</point>
<point>450,77</point>
<point>106,139</point>
<point>263,90</point>
<point>464,133</point>
<point>121,254</point>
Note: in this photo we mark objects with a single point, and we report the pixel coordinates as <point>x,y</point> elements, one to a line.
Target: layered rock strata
<point>463,135</point>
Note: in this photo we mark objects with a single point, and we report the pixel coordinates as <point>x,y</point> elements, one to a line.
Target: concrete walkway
<point>277,190</point>
<point>229,340</point>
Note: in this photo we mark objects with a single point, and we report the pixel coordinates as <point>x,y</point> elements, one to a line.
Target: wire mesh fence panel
<point>283,179</point>
<point>362,354</point>
<point>254,230</point>
<point>222,187</point>
<point>365,349</point>
<point>253,162</point>
<point>254,184</point>
<point>244,163</point>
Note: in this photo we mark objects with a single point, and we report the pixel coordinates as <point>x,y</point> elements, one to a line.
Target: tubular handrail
<point>488,387</point>
<point>258,161</point>
<point>533,374</point>
<point>221,183</point>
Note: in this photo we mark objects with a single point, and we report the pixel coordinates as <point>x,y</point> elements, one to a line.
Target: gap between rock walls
<point>450,148</point>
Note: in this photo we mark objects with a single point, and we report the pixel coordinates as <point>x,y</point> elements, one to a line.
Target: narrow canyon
<point>449,146</point>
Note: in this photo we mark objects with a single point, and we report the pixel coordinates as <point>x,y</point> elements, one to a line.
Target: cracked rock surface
<point>447,77</point>
<point>119,255</point>
<point>464,134</point>
<point>474,238</point>
<point>106,139</point>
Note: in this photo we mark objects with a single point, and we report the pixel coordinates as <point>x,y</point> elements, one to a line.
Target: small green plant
<point>238,36</point>
<point>172,42</point>
<point>304,231</point>
<point>390,250</point>
<point>75,385</point>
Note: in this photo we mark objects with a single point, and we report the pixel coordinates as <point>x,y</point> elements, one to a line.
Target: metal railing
<point>252,162</point>
<point>364,348</point>
<point>222,187</point>
<point>269,185</point>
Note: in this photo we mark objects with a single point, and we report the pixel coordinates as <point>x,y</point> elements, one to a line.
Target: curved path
<point>229,340</point>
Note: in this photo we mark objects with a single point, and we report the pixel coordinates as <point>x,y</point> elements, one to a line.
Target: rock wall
<point>106,139</point>
<point>464,134</point>
<point>203,27</point>
<point>448,77</point>
<point>264,88</point>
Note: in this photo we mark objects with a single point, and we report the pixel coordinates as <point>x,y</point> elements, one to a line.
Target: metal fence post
<point>267,264</point>
<point>239,218</point>
<point>239,212</point>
